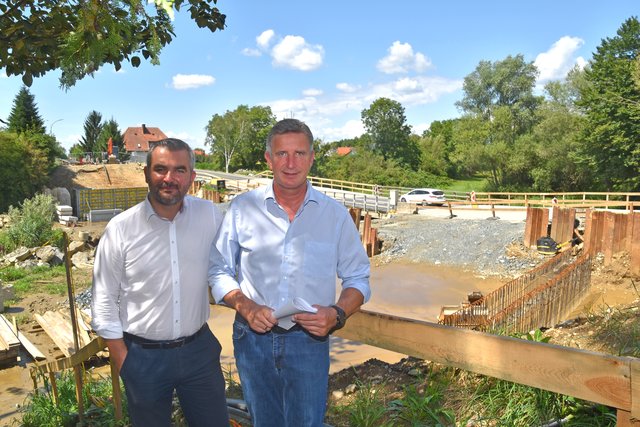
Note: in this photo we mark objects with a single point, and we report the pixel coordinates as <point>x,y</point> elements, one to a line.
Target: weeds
<point>30,225</point>
<point>41,411</point>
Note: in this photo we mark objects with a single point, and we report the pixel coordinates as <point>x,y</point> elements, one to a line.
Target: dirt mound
<point>125,175</point>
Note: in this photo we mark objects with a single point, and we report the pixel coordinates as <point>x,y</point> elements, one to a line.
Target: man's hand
<point>319,323</point>
<point>259,317</point>
<point>117,352</point>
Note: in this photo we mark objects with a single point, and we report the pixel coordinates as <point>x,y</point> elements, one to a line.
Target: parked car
<point>424,196</point>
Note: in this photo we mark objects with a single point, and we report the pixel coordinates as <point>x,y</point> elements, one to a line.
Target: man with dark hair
<point>282,243</point>
<point>150,299</point>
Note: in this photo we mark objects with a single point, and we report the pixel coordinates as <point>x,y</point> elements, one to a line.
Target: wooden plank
<point>28,345</point>
<point>528,226</point>
<point>59,337</point>
<point>608,236</point>
<point>583,374</point>
<point>96,345</point>
<point>635,244</point>
<point>7,338</point>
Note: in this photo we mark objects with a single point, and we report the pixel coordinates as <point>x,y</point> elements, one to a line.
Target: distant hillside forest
<point>581,133</point>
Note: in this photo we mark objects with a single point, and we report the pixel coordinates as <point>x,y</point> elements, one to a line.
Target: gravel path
<point>487,247</point>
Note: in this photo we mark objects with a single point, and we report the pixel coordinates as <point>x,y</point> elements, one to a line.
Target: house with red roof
<point>137,141</point>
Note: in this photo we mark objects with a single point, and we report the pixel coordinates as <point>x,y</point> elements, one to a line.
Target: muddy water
<point>418,291</point>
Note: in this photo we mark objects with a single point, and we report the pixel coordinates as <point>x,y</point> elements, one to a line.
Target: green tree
<point>110,129</point>
<point>500,108</point>
<point>507,83</point>
<point>79,37</point>
<point>611,102</point>
<point>92,128</point>
<point>385,123</point>
<point>22,165</point>
<point>24,114</point>
<point>240,134</point>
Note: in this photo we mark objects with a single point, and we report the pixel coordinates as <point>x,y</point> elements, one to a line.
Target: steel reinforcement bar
<point>476,315</point>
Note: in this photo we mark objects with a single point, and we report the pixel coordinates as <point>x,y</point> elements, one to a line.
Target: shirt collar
<point>310,195</point>
<point>149,211</point>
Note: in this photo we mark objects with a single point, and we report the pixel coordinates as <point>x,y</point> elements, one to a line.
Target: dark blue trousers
<point>150,376</point>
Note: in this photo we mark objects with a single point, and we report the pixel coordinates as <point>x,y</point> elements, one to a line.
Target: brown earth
<point>613,291</point>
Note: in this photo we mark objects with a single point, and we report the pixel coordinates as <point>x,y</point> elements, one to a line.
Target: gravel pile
<point>489,247</point>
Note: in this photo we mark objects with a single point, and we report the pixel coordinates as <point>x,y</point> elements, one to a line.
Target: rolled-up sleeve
<point>353,264</point>
<point>108,273</point>
<point>222,259</point>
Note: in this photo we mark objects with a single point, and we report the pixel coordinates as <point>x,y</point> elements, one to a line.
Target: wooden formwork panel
<point>595,232</point>
<point>635,243</point>
<point>536,225</point>
<point>88,199</point>
<point>562,224</point>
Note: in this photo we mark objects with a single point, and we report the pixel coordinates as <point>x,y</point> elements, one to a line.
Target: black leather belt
<point>276,329</point>
<point>154,344</point>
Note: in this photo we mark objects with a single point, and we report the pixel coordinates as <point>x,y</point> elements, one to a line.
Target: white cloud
<point>559,59</point>
<point>323,115</point>
<point>247,51</point>
<point>312,92</point>
<point>351,129</point>
<point>401,59</point>
<point>346,87</point>
<point>191,81</point>
<point>264,39</point>
<point>294,52</point>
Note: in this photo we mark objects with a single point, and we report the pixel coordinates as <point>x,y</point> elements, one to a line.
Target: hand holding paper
<point>288,309</point>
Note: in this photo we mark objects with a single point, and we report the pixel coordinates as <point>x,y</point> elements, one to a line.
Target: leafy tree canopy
<point>239,135</point>
<point>37,36</point>
<point>507,83</point>
<point>22,165</point>
<point>385,123</point>
<point>611,101</point>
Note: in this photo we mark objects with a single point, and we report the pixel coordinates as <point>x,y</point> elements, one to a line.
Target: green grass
<point>476,184</point>
<point>51,280</point>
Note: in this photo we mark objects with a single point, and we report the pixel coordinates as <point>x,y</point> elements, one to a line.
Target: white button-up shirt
<point>150,274</point>
<point>273,260</point>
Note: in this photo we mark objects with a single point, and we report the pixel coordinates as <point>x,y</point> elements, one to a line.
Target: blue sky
<point>324,62</point>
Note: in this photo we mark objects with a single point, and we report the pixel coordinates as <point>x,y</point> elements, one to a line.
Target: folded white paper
<point>288,309</point>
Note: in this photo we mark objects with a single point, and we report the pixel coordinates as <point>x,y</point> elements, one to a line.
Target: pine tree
<point>92,127</point>
<point>24,114</point>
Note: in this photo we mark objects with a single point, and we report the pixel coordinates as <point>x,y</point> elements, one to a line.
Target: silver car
<point>424,196</point>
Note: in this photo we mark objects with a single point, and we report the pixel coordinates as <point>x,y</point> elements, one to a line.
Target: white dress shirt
<point>150,274</point>
<point>273,260</point>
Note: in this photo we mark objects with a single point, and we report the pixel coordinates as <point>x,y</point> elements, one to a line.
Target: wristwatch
<point>341,318</point>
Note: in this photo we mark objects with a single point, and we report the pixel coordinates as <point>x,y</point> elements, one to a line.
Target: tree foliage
<point>386,125</point>
<point>93,125</point>
<point>25,120</point>
<point>38,36</point>
<point>24,114</point>
<point>507,83</point>
<point>238,136</point>
<point>111,129</point>
<point>611,102</point>
<point>22,165</point>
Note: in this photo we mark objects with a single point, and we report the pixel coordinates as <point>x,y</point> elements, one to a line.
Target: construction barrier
<point>106,199</point>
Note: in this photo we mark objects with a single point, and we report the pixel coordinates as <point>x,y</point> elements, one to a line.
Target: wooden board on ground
<point>9,344</point>
<point>28,345</point>
<point>59,330</point>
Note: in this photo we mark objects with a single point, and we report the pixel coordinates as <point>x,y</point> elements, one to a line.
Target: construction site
<point>563,281</point>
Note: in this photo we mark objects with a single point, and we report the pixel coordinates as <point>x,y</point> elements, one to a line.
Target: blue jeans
<point>151,375</point>
<point>284,376</point>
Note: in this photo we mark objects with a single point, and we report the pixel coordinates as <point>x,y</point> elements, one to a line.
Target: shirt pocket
<point>319,260</point>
